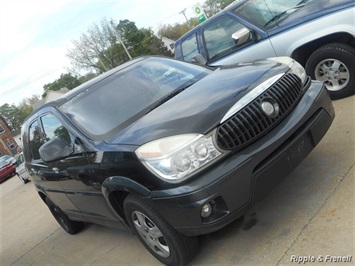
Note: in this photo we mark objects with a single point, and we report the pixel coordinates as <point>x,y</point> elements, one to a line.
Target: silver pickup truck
<point>320,34</point>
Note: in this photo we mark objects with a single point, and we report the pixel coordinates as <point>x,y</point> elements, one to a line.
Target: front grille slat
<point>251,123</point>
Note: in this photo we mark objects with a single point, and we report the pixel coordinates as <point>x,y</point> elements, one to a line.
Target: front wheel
<point>157,235</point>
<point>334,65</point>
<point>71,227</point>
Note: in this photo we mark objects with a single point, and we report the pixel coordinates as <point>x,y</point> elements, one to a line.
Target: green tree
<point>87,77</point>
<point>155,45</point>
<point>212,7</point>
<point>129,32</point>
<point>64,81</point>
<point>101,48</point>
<point>15,115</point>
<point>175,31</point>
<point>98,49</point>
<point>142,41</point>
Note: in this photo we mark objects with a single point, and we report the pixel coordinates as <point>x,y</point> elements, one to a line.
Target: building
<point>169,44</point>
<point>8,145</point>
<point>51,96</point>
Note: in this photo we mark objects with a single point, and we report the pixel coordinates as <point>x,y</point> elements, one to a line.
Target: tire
<point>334,64</point>
<point>157,235</point>
<point>71,227</point>
<point>25,181</point>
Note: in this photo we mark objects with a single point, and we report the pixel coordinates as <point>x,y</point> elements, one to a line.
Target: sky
<point>36,35</point>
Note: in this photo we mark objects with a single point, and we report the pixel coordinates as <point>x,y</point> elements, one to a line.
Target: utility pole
<point>102,64</point>
<point>183,12</point>
<point>119,39</point>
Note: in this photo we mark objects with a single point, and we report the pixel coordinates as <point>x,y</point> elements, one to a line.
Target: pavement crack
<point>331,193</point>
<point>40,242</point>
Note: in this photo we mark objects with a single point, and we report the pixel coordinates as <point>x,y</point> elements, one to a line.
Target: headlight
<point>175,158</point>
<point>294,66</point>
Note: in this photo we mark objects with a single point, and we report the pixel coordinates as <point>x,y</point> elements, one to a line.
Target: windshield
<point>120,99</point>
<point>5,158</point>
<point>3,163</point>
<point>267,13</point>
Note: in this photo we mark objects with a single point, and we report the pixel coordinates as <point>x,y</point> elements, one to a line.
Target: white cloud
<point>35,35</point>
<point>19,21</point>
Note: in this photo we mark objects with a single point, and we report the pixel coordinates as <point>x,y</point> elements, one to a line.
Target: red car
<point>7,169</point>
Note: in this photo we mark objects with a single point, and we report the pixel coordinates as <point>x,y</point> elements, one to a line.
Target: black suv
<point>173,150</point>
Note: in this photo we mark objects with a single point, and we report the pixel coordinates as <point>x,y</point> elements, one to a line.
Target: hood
<point>200,107</point>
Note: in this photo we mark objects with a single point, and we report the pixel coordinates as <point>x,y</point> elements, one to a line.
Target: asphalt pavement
<point>307,219</point>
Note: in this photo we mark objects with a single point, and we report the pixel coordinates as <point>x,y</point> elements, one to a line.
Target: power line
<point>183,12</point>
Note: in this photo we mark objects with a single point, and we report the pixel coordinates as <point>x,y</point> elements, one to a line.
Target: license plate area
<point>299,150</point>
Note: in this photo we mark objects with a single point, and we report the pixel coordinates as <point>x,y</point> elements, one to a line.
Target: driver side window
<point>218,36</point>
<point>35,140</point>
<point>53,128</point>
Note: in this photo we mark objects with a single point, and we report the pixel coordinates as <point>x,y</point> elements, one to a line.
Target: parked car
<point>319,34</point>
<point>21,170</point>
<point>6,170</point>
<point>8,159</point>
<point>171,149</point>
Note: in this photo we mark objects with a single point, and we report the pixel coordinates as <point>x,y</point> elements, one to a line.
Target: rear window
<point>123,97</point>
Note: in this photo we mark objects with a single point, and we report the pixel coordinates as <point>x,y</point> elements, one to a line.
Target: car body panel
<point>6,170</point>
<point>224,86</point>
<point>304,25</point>
<point>283,45</point>
<point>21,170</point>
<point>261,167</point>
<point>8,159</point>
<point>91,183</point>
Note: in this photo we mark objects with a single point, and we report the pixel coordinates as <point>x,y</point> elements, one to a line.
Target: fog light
<point>206,210</point>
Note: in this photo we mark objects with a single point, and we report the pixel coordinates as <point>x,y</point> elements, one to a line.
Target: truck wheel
<point>157,235</point>
<point>25,181</point>
<point>334,64</point>
<point>71,227</point>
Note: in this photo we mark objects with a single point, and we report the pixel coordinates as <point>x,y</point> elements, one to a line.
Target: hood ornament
<point>270,108</point>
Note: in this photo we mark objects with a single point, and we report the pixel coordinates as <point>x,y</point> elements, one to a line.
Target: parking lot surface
<point>309,216</point>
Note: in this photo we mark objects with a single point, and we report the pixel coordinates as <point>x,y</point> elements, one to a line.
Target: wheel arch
<point>302,53</point>
<point>42,196</point>
<point>116,189</point>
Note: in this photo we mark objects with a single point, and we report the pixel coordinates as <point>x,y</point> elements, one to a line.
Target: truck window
<point>189,48</point>
<point>262,12</point>
<point>35,140</point>
<point>218,36</point>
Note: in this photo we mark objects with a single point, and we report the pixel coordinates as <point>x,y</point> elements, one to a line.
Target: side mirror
<point>199,59</point>
<point>55,149</point>
<point>241,36</point>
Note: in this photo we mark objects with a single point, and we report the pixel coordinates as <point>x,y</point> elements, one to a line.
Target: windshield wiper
<point>278,16</point>
<point>300,4</point>
<point>169,96</point>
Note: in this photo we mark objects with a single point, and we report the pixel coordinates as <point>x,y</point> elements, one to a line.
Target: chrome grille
<point>250,123</point>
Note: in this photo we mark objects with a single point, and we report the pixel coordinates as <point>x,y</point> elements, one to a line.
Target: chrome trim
<point>250,96</point>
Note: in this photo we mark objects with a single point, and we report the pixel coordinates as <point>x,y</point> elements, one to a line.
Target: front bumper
<point>236,183</point>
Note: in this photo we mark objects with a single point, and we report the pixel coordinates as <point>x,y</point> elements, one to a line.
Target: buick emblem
<point>270,108</point>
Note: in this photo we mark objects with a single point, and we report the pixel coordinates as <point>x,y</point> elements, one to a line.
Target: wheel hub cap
<point>151,234</point>
<point>333,73</point>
